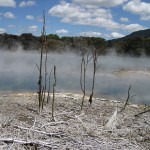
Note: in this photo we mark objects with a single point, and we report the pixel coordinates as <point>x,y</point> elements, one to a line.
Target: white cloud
<point>33,28</point>
<point>30,17</point>
<point>91,34</point>
<point>133,27</point>
<point>62,31</point>
<point>79,14</point>
<point>145,17</point>
<point>74,11</point>
<point>139,8</point>
<point>9,15</point>
<point>11,26</point>
<point>115,35</point>
<point>2,30</point>
<point>27,4</point>
<point>7,3</point>
<point>74,14</point>
<point>124,19</point>
<point>100,3</point>
<point>104,23</point>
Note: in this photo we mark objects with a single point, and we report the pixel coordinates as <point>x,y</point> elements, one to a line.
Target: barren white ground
<point>97,127</point>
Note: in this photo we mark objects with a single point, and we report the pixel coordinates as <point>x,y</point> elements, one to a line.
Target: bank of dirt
<point>98,127</point>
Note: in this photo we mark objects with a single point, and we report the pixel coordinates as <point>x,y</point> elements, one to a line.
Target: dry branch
<point>54,123</point>
<point>57,135</point>
<point>137,115</point>
<point>128,97</point>
<point>37,66</point>
<point>28,142</point>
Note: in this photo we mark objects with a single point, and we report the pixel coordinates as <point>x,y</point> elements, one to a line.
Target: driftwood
<point>143,112</point>
<point>57,135</point>
<point>54,123</point>
<point>28,142</point>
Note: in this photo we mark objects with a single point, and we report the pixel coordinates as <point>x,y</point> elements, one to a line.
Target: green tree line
<point>133,46</point>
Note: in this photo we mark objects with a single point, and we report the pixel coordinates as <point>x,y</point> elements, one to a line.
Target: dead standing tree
<point>95,67</point>
<point>49,86</point>
<point>84,64</point>
<point>40,86</point>
<point>45,80</point>
<point>53,100</point>
<point>82,79</point>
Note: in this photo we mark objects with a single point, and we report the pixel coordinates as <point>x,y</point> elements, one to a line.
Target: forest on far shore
<point>136,44</point>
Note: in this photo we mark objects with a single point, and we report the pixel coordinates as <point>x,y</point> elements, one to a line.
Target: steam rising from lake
<point>18,72</point>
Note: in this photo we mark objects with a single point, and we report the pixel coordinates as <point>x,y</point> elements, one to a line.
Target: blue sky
<point>99,18</point>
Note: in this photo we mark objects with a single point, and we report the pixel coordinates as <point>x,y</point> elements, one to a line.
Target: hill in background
<point>134,44</point>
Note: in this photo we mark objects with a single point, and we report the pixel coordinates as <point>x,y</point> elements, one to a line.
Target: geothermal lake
<point>18,72</point>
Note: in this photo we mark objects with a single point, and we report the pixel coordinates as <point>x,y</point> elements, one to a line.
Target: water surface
<point>18,72</point>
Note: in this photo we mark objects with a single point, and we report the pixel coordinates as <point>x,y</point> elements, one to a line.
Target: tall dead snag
<point>42,95</point>
<point>40,87</point>
<point>95,56</point>
<point>82,78</point>
<point>49,86</point>
<point>84,64</point>
<point>45,80</point>
<point>53,100</point>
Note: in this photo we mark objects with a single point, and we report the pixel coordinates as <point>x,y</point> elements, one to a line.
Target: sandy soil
<point>97,127</point>
<point>131,73</point>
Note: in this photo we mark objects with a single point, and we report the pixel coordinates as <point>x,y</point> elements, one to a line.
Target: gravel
<point>96,127</point>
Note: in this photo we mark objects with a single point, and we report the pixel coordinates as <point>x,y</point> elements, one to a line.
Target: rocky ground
<point>97,127</point>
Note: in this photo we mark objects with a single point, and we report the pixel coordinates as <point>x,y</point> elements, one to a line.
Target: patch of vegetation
<point>135,44</point>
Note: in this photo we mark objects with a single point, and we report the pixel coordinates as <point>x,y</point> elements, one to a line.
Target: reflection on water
<point>18,72</point>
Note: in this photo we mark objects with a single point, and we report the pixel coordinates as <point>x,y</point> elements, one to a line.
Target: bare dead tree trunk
<point>82,79</point>
<point>49,86</point>
<point>45,84</point>
<point>40,95</point>
<point>95,56</point>
<point>53,101</point>
<point>84,64</point>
